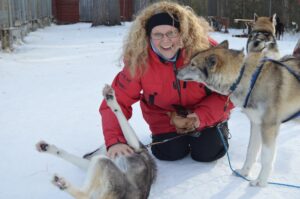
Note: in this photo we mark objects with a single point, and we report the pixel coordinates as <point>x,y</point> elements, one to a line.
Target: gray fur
<point>275,97</point>
<point>126,177</point>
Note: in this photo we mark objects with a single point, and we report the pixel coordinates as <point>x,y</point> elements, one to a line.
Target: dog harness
<point>255,76</point>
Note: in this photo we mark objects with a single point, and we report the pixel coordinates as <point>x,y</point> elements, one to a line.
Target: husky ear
<point>255,17</point>
<point>223,44</point>
<point>273,19</point>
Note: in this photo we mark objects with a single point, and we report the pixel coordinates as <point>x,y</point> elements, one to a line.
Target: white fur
<point>129,177</point>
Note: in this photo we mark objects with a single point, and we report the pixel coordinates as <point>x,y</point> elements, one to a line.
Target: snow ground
<point>50,89</point>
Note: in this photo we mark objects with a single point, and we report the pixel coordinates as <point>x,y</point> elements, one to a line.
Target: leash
<point>165,140</point>
<point>193,134</point>
<point>236,173</point>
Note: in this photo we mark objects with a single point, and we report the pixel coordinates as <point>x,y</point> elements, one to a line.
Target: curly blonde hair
<point>193,32</point>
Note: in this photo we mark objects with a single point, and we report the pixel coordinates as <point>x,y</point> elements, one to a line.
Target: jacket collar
<point>153,57</point>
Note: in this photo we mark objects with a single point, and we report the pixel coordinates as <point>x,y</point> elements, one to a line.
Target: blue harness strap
<point>292,117</point>
<point>238,80</point>
<point>291,71</point>
<point>256,74</point>
<point>253,81</point>
<point>297,76</point>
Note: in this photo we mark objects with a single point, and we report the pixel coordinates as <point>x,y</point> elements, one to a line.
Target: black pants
<point>207,147</point>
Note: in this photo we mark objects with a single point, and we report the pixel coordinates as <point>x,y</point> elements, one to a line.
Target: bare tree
<point>286,13</point>
<point>106,12</point>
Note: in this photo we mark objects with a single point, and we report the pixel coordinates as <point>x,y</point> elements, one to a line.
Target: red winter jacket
<point>156,92</point>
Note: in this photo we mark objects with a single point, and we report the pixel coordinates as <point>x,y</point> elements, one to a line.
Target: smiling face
<point>166,39</point>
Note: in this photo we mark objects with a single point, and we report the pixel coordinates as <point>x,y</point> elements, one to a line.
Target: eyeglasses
<point>170,35</point>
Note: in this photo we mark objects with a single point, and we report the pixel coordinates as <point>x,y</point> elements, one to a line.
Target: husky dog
<point>274,98</point>
<point>127,177</point>
<point>262,37</point>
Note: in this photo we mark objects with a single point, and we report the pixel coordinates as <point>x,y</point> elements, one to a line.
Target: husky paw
<point>242,172</point>
<point>59,182</point>
<point>108,93</point>
<point>259,183</point>
<point>42,146</point>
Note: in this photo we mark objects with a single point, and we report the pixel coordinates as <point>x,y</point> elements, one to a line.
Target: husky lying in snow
<point>126,177</point>
<point>274,97</point>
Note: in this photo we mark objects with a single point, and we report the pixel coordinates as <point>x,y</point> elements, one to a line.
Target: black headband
<point>161,19</point>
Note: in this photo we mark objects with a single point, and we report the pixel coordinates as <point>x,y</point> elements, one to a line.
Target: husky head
<point>217,67</point>
<point>263,34</point>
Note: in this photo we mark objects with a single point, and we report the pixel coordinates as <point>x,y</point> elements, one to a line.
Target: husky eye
<point>212,60</point>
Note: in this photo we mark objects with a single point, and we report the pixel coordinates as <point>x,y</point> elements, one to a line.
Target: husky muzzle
<point>259,37</point>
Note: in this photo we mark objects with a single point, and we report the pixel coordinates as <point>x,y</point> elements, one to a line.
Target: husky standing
<point>126,177</point>
<point>273,98</point>
<point>262,37</point>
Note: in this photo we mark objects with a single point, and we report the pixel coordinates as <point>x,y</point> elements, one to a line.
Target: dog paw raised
<point>42,146</point>
<point>108,93</point>
<point>59,182</point>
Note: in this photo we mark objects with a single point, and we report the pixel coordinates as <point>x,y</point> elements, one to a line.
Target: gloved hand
<point>184,124</point>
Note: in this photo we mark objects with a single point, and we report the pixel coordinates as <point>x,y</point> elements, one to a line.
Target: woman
<point>161,40</point>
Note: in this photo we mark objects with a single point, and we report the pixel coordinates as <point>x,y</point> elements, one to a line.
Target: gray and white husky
<point>275,96</point>
<point>262,37</point>
<point>126,177</point>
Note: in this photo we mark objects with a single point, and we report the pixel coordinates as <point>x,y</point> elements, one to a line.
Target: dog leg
<point>127,130</point>
<point>52,149</point>
<point>269,135</point>
<point>64,185</point>
<point>253,149</point>
<point>95,171</point>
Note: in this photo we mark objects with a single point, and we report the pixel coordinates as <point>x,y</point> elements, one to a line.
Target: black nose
<point>256,43</point>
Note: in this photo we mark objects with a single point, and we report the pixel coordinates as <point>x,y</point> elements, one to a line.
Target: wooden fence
<point>18,17</point>
<point>128,8</point>
<point>86,10</point>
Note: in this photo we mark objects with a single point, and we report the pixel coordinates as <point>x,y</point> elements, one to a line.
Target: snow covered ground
<point>50,89</point>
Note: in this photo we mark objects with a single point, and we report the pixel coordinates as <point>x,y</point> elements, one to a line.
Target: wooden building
<point>66,11</point>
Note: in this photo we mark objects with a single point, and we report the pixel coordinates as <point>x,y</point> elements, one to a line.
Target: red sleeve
<point>211,110</point>
<point>212,42</point>
<point>127,90</point>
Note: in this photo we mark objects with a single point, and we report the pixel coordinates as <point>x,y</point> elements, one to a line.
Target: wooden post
<point>6,39</point>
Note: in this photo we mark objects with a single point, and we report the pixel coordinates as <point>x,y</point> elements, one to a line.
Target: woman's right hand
<point>184,124</point>
<point>118,150</point>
